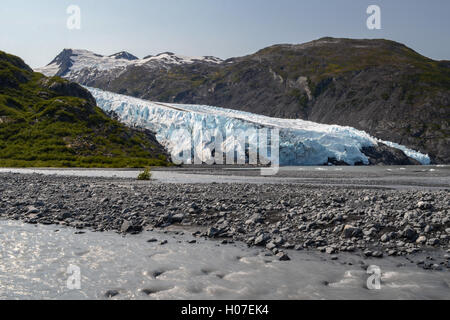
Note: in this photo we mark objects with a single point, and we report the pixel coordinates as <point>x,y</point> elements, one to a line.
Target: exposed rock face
<point>124,55</point>
<point>64,62</point>
<point>65,88</point>
<point>384,155</point>
<point>378,86</point>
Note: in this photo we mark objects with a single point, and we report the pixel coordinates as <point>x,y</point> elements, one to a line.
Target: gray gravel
<point>373,222</point>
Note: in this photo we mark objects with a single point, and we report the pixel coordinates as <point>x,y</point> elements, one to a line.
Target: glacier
<point>300,142</point>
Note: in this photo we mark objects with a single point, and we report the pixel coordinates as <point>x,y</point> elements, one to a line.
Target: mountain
<point>300,142</point>
<point>379,86</point>
<point>53,122</point>
<point>84,66</point>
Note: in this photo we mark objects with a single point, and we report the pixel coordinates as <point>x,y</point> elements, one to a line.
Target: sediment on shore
<point>375,222</point>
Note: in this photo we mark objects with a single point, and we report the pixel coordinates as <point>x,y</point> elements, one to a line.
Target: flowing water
<point>34,261</point>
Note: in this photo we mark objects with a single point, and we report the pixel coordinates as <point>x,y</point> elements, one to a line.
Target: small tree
<point>145,175</point>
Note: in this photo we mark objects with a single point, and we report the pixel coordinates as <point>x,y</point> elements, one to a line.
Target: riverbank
<point>277,217</point>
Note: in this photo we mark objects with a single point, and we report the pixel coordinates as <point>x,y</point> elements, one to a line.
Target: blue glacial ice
<point>301,142</point>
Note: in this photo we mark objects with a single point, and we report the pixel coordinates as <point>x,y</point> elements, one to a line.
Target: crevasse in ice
<point>301,142</point>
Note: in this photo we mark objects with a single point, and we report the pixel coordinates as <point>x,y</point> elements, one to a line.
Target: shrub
<point>145,175</point>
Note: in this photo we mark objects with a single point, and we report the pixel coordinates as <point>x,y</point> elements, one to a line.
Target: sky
<point>36,30</point>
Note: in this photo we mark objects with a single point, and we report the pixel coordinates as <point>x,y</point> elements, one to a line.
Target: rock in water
<point>213,232</point>
<point>111,293</point>
<point>283,256</point>
<point>128,227</point>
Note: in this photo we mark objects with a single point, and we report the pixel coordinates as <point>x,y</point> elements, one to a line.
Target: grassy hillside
<point>50,122</point>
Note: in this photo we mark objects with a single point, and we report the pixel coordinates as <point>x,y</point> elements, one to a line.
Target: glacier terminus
<point>182,128</point>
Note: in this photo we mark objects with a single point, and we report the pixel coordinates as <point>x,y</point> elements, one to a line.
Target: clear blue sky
<point>36,30</point>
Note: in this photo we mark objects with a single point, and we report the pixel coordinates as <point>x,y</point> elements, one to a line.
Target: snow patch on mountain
<point>301,142</point>
<point>50,70</point>
<point>171,58</point>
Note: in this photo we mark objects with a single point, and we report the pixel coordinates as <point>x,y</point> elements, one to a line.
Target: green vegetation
<point>321,62</point>
<point>145,175</point>
<point>301,97</point>
<point>50,122</point>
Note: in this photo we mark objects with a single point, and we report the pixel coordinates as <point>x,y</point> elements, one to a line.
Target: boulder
<point>351,231</point>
